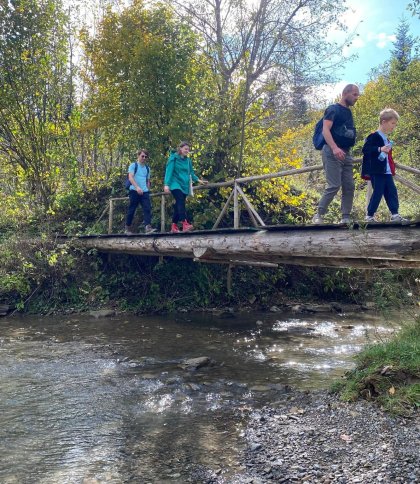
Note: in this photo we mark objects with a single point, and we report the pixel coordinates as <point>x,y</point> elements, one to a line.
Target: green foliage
<point>39,274</point>
<point>177,284</point>
<point>35,94</point>
<point>148,84</point>
<point>386,289</point>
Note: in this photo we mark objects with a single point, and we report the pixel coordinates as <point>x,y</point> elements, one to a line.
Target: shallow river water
<point>85,400</point>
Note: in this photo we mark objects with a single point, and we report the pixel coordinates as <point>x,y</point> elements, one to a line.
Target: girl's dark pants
<point>144,201</point>
<point>383,186</point>
<point>180,213</point>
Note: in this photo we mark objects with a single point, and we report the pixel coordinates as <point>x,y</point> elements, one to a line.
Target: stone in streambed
<point>102,313</point>
<point>195,363</point>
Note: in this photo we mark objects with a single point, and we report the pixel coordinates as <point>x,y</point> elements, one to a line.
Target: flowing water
<point>85,400</point>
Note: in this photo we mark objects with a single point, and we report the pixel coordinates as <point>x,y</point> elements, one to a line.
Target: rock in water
<point>102,313</point>
<point>195,363</point>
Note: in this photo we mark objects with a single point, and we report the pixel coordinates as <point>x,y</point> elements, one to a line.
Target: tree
<point>414,7</point>
<point>148,82</point>
<point>247,43</point>
<point>404,42</point>
<point>35,93</point>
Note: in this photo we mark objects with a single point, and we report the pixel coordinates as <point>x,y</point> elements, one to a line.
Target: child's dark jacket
<point>372,164</point>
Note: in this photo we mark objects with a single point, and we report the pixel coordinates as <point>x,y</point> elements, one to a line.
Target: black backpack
<point>127,183</point>
<point>318,138</point>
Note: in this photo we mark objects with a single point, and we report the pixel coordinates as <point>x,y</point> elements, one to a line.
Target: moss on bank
<point>388,372</point>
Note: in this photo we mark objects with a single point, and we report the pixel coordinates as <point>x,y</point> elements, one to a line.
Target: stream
<point>88,400</point>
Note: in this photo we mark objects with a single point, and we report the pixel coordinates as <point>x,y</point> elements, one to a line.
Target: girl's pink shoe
<point>186,227</point>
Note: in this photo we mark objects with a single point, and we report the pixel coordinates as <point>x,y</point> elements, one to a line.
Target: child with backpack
<point>138,185</point>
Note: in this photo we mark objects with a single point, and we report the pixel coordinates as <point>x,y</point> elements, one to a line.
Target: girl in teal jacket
<point>179,176</point>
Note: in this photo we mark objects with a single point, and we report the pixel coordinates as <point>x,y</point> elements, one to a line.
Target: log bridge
<point>365,246</point>
<point>360,245</point>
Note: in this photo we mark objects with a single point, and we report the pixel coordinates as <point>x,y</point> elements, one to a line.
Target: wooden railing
<point>238,193</point>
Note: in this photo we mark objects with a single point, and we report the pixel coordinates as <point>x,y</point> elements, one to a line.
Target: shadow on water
<point>87,400</point>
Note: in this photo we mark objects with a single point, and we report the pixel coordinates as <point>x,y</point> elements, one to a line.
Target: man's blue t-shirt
<point>141,176</point>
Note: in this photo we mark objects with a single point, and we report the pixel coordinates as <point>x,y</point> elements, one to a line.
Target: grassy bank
<point>388,372</point>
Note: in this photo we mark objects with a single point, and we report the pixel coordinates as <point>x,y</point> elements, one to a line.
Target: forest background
<point>82,87</point>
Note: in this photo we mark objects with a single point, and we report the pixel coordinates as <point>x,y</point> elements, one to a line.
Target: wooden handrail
<point>237,181</point>
<point>247,179</point>
<point>408,168</point>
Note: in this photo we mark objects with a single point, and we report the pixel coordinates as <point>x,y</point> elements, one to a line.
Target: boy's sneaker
<point>396,217</point>
<point>317,219</point>
<point>370,218</point>
<point>128,230</point>
<point>149,229</point>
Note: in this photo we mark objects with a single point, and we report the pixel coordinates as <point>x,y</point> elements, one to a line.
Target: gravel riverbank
<point>315,438</point>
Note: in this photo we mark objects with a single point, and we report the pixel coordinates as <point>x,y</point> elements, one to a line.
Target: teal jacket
<point>178,172</point>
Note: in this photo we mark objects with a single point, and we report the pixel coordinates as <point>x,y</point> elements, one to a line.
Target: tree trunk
<point>383,247</point>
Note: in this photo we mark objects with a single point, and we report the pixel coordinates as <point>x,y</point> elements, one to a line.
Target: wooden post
<point>368,194</point>
<point>229,279</point>
<point>111,215</point>
<point>162,213</point>
<point>235,207</point>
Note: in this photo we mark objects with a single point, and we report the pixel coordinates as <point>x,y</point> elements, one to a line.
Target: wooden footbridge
<point>359,245</point>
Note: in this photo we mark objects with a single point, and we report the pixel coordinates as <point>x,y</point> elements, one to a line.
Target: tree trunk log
<point>381,246</point>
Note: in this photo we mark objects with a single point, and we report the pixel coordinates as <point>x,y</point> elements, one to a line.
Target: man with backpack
<point>339,135</point>
<point>138,184</point>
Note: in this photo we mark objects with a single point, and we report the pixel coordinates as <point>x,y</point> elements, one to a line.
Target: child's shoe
<point>396,217</point>
<point>370,218</point>
<point>186,227</point>
<point>174,229</point>
<point>318,219</point>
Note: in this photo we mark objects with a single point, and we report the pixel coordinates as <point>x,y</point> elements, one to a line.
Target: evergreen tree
<point>403,45</point>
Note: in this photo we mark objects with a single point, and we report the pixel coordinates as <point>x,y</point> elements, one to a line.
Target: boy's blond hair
<point>387,114</point>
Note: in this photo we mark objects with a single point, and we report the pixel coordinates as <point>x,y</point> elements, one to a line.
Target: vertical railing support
<point>162,213</point>
<point>162,220</point>
<point>235,207</point>
<point>368,194</point>
<point>229,279</point>
<point>111,215</point>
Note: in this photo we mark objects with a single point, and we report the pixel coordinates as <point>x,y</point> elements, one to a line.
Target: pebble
<point>383,448</point>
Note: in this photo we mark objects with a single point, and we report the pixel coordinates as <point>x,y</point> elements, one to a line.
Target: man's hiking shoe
<point>345,219</point>
<point>318,219</point>
<point>397,218</point>
<point>149,229</point>
<point>174,229</point>
<point>186,226</point>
